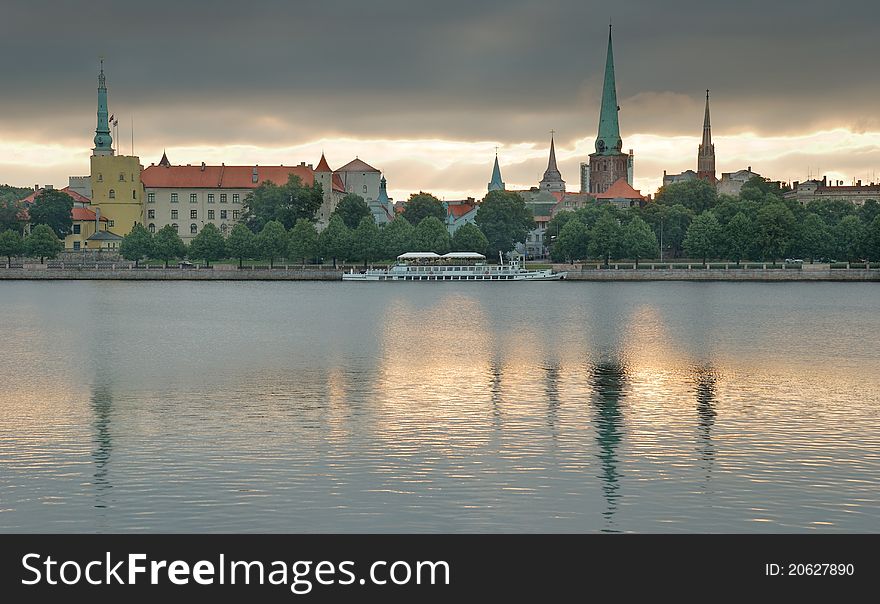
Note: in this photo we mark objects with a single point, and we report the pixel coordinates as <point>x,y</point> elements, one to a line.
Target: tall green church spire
<point>103,140</point>
<point>496,184</point>
<point>608,141</point>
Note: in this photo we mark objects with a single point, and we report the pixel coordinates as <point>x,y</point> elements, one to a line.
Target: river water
<point>439,407</point>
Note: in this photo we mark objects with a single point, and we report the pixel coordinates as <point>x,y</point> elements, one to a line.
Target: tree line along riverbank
<point>759,225</point>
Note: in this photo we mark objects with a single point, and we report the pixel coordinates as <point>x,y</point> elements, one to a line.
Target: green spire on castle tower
<point>608,142</point>
<point>103,140</point>
<point>383,192</point>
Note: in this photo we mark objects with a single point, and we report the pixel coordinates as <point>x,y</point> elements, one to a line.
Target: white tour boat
<point>455,266</point>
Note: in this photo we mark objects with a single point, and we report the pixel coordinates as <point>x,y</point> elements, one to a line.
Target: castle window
<point>100,177</point>
<point>365,188</point>
<point>193,228</point>
<point>174,198</point>
<point>210,198</point>
<point>173,214</point>
<point>235,214</point>
<point>222,197</point>
<point>75,245</point>
<point>236,198</point>
<point>223,228</point>
<point>112,194</point>
<point>134,194</point>
<point>110,223</point>
<point>210,214</point>
<point>193,198</point>
<point>151,198</point>
<point>151,214</point>
<point>121,177</point>
<point>193,214</point>
<point>76,229</point>
<point>152,228</point>
<point>222,214</point>
<point>174,226</point>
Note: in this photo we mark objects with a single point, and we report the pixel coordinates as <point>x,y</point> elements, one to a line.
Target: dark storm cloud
<point>276,74</point>
<point>500,70</point>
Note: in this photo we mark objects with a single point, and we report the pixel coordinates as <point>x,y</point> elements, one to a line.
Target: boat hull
<point>498,278</point>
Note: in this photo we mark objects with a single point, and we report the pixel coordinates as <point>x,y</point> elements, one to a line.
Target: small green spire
<point>496,183</point>
<point>103,140</point>
<point>608,141</point>
<point>383,192</point>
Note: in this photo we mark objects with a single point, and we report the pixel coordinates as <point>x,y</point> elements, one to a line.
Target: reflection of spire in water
<point>495,389</point>
<point>608,379</point>
<point>102,405</point>
<point>551,388</point>
<point>706,378</point>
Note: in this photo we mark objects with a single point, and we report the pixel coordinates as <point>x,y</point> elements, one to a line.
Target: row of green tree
<point>50,207</point>
<point>691,218</point>
<point>502,221</point>
<point>42,243</point>
<point>302,243</point>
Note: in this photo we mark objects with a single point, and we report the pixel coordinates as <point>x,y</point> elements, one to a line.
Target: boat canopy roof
<point>418,256</point>
<point>470,255</point>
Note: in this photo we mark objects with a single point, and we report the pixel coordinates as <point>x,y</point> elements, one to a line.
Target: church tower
<point>706,152</point>
<point>115,179</point>
<point>609,163</point>
<point>496,184</point>
<point>552,180</point>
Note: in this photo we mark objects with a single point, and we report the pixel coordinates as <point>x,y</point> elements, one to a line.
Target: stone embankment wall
<point>170,274</point>
<point>724,275</point>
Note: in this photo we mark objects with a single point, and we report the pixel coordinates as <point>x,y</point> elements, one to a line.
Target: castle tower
<point>324,177</point>
<point>609,163</point>
<point>706,152</point>
<point>552,180</point>
<point>496,184</point>
<point>117,191</point>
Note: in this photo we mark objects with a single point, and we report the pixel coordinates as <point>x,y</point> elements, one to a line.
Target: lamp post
<point>661,237</point>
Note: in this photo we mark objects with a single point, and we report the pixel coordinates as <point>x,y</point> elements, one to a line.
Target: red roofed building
<point>188,197</point>
<point>460,212</point>
<point>85,222</point>
<point>622,194</point>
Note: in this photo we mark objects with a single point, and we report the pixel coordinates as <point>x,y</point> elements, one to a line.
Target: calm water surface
<point>577,407</point>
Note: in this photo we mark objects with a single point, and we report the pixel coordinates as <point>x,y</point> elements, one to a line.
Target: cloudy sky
<point>425,91</point>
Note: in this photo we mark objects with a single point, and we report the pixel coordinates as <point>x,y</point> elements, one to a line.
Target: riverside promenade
<point>124,271</point>
<point>696,272</point>
<point>127,272</point>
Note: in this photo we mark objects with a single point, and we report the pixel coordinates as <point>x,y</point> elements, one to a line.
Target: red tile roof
<point>460,207</point>
<point>357,165</point>
<point>76,196</point>
<point>222,177</point>
<point>460,210</point>
<point>337,183</point>
<point>620,190</point>
<point>85,214</point>
<point>323,166</point>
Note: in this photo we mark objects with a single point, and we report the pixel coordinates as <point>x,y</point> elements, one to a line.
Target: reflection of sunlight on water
<point>585,407</point>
